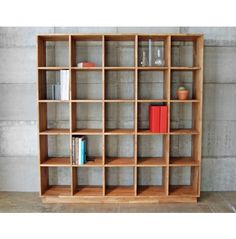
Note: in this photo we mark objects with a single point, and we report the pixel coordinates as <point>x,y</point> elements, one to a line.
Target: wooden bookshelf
<point>165,165</point>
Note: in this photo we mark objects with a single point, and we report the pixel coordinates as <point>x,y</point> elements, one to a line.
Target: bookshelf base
<point>119,199</point>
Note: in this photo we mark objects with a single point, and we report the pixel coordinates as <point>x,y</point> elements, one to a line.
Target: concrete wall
<point>18,126</point>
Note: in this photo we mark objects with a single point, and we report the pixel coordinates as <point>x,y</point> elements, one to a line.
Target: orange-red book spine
<point>154,118</point>
<point>163,119</point>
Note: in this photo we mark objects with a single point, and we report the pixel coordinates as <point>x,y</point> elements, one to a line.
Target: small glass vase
<point>159,61</point>
<point>144,60</point>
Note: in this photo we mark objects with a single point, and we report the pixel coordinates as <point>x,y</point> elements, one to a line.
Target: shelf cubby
<point>86,85</point>
<point>183,181</point>
<point>152,150</point>
<point>55,117</point>
<point>160,42</point>
<point>119,181</point>
<point>152,181</point>
<point>86,118</point>
<point>87,181</point>
<point>53,51</point>
<point>120,51</point>
<point>119,85</point>
<point>55,150</point>
<point>56,181</point>
<point>119,150</point>
<point>86,48</point>
<point>119,118</point>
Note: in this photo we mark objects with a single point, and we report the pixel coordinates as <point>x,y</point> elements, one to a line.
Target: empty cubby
<point>56,117</point>
<point>56,149</point>
<point>120,181</point>
<point>119,116</point>
<point>54,51</point>
<point>151,149</point>
<point>120,51</point>
<point>119,149</point>
<point>151,85</point>
<point>56,181</point>
<point>183,180</point>
<point>88,181</point>
<point>87,117</point>
<point>151,181</point>
<point>87,49</point>
<point>86,85</point>
<point>119,85</point>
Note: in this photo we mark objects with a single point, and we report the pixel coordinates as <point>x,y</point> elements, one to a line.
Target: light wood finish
<point>121,193</point>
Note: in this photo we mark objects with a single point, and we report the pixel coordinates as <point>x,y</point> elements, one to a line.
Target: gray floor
<point>30,202</point>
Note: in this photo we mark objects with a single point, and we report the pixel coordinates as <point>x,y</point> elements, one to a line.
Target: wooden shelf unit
<point>165,192</point>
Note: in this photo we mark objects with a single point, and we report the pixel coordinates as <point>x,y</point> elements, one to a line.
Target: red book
<point>154,118</point>
<point>86,64</point>
<point>163,119</point>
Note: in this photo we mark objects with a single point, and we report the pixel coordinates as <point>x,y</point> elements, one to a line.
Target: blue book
<point>82,151</point>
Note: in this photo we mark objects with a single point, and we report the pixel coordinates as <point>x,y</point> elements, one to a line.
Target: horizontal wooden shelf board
<point>120,37</point>
<point>120,68</point>
<point>53,101</point>
<point>121,161</point>
<point>86,131</point>
<point>55,131</point>
<point>58,191</point>
<point>182,190</point>
<point>151,100</point>
<point>184,101</point>
<point>149,132</point>
<point>151,161</point>
<point>89,37</point>
<point>54,37</point>
<point>91,162</point>
<point>120,190</point>
<point>183,161</point>
<point>56,162</point>
<point>87,101</point>
<point>185,68</point>
<point>98,68</point>
<point>151,191</point>
<point>89,191</point>
<point>53,68</point>
<point>185,37</point>
<point>119,101</point>
<point>119,131</point>
<point>183,131</point>
<point>152,68</point>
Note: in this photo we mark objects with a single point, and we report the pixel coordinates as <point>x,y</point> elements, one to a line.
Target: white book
<point>79,152</point>
<point>64,79</point>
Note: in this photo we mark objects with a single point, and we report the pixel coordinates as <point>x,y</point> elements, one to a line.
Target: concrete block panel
<point>18,102</point>
<point>18,138</point>
<point>219,138</point>
<point>150,176</point>
<point>214,36</point>
<point>219,174</point>
<point>19,174</point>
<point>219,65</point>
<point>148,30</point>
<point>180,176</point>
<point>85,30</point>
<point>219,103</point>
<point>59,176</point>
<point>21,36</point>
<point>58,146</point>
<point>89,176</point>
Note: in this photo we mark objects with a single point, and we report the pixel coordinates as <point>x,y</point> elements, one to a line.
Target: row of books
<point>60,91</point>
<point>78,150</point>
<point>158,118</point>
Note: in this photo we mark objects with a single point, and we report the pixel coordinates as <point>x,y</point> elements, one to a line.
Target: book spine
<point>73,150</point>
<point>67,85</point>
<point>85,151</point>
<point>61,84</point>
<point>164,119</point>
<point>82,152</point>
<point>79,152</point>
<point>76,150</point>
<point>154,118</point>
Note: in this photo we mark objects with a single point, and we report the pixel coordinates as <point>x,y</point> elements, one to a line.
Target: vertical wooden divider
<point>72,51</point>
<point>103,117</point>
<point>168,97</point>
<point>136,117</point>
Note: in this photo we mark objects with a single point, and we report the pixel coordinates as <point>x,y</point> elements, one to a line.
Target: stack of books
<point>78,150</point>
<point>158,119</point>
<point>60,91</point>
